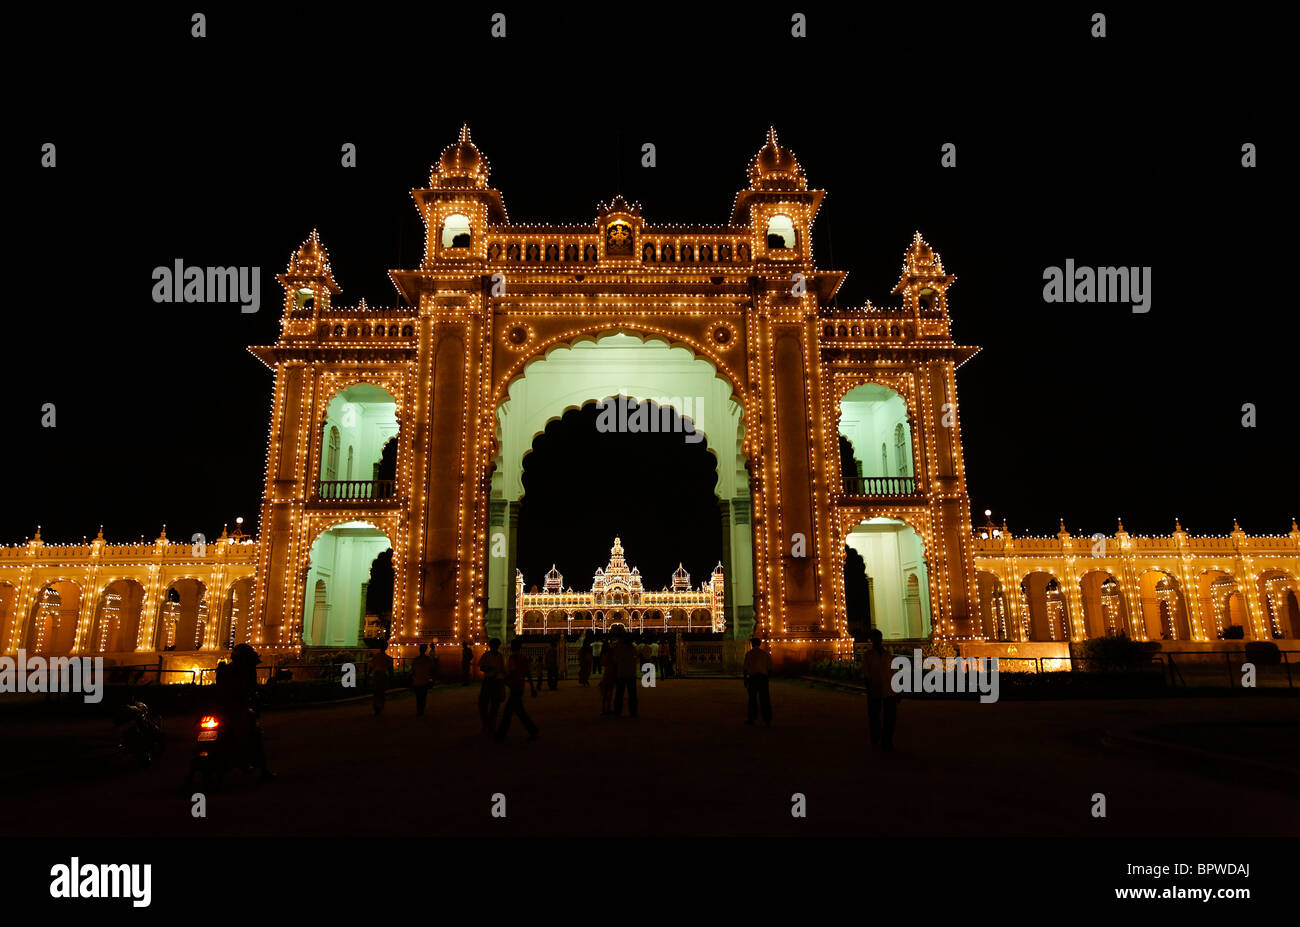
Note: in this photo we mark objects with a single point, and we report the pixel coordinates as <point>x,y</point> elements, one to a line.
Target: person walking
<point>421,678</point>
<point>882,700</point>
<point>625,675</point>
<point>607,675</point>
<point>516,678</point>
<point>584,662</point>
<point>381,671</point>
<point>756,670</point>
<point>466,662</point>
<point>552,666</point>
<point>493,667</point>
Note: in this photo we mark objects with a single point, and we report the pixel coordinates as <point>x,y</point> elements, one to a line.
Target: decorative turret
<point>681,579</point>
<point>308,281</point>
<point>456,209</point>
<point>779,208</point>
<point>554,581</point>
<point>923,283</point>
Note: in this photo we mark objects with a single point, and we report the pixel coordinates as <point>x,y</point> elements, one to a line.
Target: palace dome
<point>462,161</point>
<point>775,168</point>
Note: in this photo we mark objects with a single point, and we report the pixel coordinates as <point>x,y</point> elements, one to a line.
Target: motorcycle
<point>219,748</point>
<point>140,732</point>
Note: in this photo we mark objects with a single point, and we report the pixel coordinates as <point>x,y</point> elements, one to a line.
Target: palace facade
<point>397,437</point>
<point>1177,588</point>
<point>618,597</point>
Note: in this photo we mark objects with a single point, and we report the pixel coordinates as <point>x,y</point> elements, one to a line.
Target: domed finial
<point>775,168</point>
<point>1178,525</point>
<point>461,163</point>
<point>1235,526</point>
<point>100,536</point>
<point>1120,529</point>
<point>38,533</point>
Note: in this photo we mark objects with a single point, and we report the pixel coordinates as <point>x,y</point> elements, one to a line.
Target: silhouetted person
<point>516,678</point>
<point>607,676</point>
<point>466,662</point>
<point>584,663</point>
<point>381,671</point>
<point>757,669</point>
<point>552,666</point>
<point>493,667</point>
<point>421,678</point>
<point>625,675</point>
<point>881,697</point>
<point>236,697</point>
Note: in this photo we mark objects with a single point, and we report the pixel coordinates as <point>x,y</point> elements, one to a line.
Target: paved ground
<point>689,766</point>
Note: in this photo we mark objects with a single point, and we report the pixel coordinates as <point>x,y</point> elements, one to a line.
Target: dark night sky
<point>226,151</point>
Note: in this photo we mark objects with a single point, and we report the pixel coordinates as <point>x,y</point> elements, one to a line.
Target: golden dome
<point>775,167</point>
<point>462,160</point>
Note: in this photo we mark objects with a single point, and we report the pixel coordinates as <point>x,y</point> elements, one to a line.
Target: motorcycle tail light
<point>209,722</point>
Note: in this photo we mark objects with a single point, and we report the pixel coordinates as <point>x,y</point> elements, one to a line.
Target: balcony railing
<point>356,490</point>
<point>880,486</point>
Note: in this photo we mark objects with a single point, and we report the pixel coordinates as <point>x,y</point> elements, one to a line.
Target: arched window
<point>900,448</point>
<point>332,455</point>
<point>456,231</point>
<point>780,232</point>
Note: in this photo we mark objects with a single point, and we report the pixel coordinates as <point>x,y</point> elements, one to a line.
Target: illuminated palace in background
<point>397,439</point>
<point>617,597</point>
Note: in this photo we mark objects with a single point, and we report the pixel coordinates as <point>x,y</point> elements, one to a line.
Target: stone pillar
<point>506,628</point>
<point>501,577</point>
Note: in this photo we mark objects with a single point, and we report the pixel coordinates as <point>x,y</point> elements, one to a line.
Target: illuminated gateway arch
<point>403,429</point>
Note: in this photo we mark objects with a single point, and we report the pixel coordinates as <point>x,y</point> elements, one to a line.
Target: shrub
<point>1263,653</point>
<point>1111,654</point>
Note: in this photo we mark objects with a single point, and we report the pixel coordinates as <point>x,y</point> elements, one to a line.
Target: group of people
<point>620,664</point>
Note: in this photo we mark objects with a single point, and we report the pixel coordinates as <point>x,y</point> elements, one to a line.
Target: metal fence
<point>1189,669</point>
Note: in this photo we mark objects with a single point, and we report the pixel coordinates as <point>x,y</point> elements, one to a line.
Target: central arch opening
<point>585,487</point>
<point>620,436</point>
